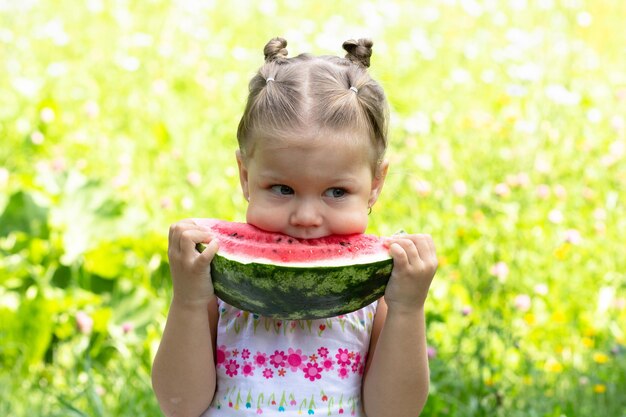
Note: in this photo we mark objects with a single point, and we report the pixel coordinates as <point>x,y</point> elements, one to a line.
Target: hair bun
<point>359,51</point>
<point>275,49</point>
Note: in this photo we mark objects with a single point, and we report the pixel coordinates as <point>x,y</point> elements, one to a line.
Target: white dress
<point>286,368</point>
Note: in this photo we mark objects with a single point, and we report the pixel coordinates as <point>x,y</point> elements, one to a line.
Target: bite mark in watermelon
<point>275,275</point>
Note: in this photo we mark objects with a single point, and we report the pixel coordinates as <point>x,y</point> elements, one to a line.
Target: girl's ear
<point>378,181</point>
<point>243,174</point>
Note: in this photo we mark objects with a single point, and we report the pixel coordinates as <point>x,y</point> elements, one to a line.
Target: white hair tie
<point>268,79</point>
<point>356,90</point>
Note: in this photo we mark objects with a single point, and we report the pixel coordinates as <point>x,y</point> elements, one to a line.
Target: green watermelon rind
<point>295,293</point>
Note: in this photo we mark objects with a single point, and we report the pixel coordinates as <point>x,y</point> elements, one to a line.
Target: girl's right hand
<point>191,270</point>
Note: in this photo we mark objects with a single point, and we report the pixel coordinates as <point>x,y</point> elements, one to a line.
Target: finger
<point>398,254</point>
<point>190,237</point>
<point>209,252</point>
<point>409,248</point>
<point>177,229</point>
<point>426,248</point>
<point>421,244</point>
<point>432,248</point>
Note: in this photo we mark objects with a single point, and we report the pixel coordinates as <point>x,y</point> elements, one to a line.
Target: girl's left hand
<point>414,266</point>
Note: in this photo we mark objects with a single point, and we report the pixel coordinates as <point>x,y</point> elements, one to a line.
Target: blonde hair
<point>288,94</point>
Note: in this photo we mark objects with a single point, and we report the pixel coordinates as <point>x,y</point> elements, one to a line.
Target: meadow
<point>507,144</point>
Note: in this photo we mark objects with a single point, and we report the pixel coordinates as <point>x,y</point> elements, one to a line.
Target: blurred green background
<point>508,145</point>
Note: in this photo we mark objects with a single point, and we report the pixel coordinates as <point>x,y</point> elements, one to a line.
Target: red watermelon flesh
<point>247,243</point>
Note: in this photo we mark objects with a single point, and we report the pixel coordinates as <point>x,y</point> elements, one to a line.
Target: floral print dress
<point>286,368</point>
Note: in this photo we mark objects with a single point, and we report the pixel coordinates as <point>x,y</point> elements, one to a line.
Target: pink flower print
<point>343,357</point>
<point>248,369</point>
<point>245,354</point>
<point>235,353</point>
<point>231,368</point>
<point>312,371</point>
<point>328,364</point>
<point>260,359</point>
<point>292,402</point>
<point>323,352</point>
<point>268,373</point>
<point>221,356</point>
<point>282,372</point>
<point>295,359</point>
<point>259,411</point>
<point>278,359</point>
<point>343,372</point>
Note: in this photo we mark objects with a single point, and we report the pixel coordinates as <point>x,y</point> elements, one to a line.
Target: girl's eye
<point>282,189</point>
<point>335,192</point>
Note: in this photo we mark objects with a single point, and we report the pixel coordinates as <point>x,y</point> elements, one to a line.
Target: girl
<point>310,157</point>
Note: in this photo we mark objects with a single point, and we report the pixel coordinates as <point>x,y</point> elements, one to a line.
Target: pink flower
<point>466,311</point>
<point>500,270</point>
<point>543,191</point>
<point>268,373</point>
<point>260,358</point>
<point>502,190</point>
<point>245,354</point>
<point>194,179</point>
<point>460,188</point>
<point>432,352</point>
<point>248,369</point>
<point>278,359</point>
<point>312,371</point>
<point>573,236</point>
<point>522,302</point>
<point>127,327</point>
<point>231,368</point>
<point>221,355</point>
<point>292,402</point>
<point>555,216</point>
<point>560,191</point>
<point>84,322</point>
<point>343,372</point>
<point>328,363</point>
<point>295,359</point>
<point>259,411</point>
<point>541,289</point>
<point>323,352</point>
<point>343,357</point>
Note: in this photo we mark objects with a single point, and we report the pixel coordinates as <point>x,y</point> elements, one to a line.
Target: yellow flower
<point>554,366</point>
<point>558,317</point>
<point>562,251</point>
<point>600,358</point>
<point>599,388</point>
<point>587,342</point>
<point>529,318</point>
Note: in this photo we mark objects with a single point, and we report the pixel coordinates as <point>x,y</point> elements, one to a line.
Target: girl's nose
<point>306,214</point>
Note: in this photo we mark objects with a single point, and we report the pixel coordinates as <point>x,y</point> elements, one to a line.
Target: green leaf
<point>24,214</point>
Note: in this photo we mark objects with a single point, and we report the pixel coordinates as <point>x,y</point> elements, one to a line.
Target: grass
<point>507,145</point>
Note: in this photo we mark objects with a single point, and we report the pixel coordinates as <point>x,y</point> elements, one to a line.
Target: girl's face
<point>310,188</point>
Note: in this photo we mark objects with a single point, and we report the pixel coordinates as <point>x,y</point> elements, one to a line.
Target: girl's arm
<point>183,373</point>
<point>396,376</point>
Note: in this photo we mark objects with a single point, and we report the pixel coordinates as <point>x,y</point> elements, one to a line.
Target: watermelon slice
<point>275,275</point>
